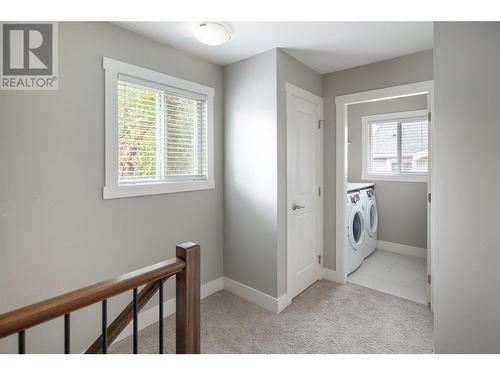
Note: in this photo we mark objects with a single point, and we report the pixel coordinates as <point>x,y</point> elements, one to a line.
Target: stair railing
<point>185,267</point>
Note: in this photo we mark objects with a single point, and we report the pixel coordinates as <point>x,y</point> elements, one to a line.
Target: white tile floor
<point>401,275</point>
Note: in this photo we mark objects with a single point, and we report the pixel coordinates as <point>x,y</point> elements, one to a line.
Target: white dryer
<point>369,203</point>
<point>355,232</point>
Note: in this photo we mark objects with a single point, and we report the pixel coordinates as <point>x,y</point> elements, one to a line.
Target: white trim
<point>401,177</point>
<point>296,91</point>
<point>394,177</point>
<point>110,192</point>
<point>275,305</point>
<point>212,287</point>
<point>419,88</point>
<point>341,191</point>
<point>430,206</point>
<point>164,87</point>
<point>402,249</point>
<point>328,274</point>
<point>411,89</point>
<point>395,116</point>
<point>283,302</point>
<point>113,65</point>
<point>150,316</point>
<point>303,94</point>
<point>113,68</point>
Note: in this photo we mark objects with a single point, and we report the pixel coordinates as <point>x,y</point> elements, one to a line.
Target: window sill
<point>395,178</point>
<point>112,192</point>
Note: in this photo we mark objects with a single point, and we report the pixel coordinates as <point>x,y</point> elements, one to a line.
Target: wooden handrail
<point>185,267</point>
<point>32,315</point>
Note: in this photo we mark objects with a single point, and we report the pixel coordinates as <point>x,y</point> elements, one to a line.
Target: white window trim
<point>401,177</point>
<point>111,189</point>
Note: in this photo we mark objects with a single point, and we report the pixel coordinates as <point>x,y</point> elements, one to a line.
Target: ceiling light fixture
<point>212,33</point>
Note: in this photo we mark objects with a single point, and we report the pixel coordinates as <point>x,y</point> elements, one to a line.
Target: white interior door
<point>304,189</point>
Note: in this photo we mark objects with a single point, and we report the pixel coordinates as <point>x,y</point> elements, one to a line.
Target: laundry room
<point>387,189</point>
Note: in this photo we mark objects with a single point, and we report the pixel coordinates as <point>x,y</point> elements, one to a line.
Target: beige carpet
<point>326,318</point>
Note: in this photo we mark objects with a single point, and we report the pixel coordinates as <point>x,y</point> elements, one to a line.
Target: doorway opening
<point>384,169</point>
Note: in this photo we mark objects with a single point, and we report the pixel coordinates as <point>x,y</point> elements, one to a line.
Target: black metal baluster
<point>160,333</point>
<point>21,342</point>
<point>67,342</point>
<point>104,326</point>
<point>135,322</point>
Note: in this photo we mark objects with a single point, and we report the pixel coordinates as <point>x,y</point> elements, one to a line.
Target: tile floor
<point>401,275</point>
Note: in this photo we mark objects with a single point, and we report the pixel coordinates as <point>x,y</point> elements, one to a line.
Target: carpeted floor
<point>325,318</point>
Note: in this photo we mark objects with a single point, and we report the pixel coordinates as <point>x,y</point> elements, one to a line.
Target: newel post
<point>188,300</point>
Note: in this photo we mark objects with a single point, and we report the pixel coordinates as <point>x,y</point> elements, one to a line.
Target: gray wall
<point>293,71</point>
<point>466,199</point>
<point>406,69</point>
<point>56,232</point>
<point>402,206</point>
<point>250,190</point>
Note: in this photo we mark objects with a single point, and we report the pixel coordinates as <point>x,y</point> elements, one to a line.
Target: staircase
<point>186,269</point>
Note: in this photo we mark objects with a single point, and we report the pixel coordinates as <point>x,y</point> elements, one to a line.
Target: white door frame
<point>306,95</point>
<point>342,102</point>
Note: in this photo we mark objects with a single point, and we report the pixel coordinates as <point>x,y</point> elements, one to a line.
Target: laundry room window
<point>396,146</point>
<point>159,133</point>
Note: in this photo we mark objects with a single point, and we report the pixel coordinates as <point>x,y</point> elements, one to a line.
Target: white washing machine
<point>355,231</point>
<point>369,203</point>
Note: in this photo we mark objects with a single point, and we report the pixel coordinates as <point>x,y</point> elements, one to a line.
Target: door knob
<point>296,206</point>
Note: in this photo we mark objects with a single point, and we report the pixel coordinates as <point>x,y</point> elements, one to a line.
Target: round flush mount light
<point>212,33</point>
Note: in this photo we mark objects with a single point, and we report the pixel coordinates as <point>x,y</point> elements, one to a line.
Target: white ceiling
<point>324,46</point>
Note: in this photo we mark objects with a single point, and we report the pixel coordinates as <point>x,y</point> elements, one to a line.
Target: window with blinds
<point>396,146</point>
<point>162,133</point>
<point>383,156</point>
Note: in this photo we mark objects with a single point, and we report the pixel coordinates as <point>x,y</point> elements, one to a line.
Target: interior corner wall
<point>394,72</point>
<point>255,167</point>
<point>56,232</point>
<point>293,71</point>
<point>250,182</point>
<point>466,179</point>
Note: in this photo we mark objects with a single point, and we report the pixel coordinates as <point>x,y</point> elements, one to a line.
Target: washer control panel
<point>354,198</point>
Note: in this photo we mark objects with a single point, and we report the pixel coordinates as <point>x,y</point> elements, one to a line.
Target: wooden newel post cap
<point>188,247</point>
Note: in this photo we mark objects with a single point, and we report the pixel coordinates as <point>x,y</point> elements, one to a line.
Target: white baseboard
<point>257,297</point>
<point>283,302</point>
<point>150,316</point>
<point>212,287</point>
<point>332,275</point>
<point>275,305</point>
<point>402,249</point>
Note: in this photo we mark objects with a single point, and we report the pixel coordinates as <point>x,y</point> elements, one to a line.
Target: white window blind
<point>414,146</point>
<point>162,133</point>
<point>398,147</point>
<point>383,157</point>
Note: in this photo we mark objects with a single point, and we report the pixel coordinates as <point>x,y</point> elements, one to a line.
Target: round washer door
<point>371,217</point>
<point>356,227</point>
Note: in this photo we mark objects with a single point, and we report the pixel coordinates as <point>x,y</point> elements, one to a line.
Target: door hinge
<point>319,259</point>
<point>429,198</point>
<point>429,116</point>
<point>319,123</point>
<point>428,279</point>
<point>319,192</point>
